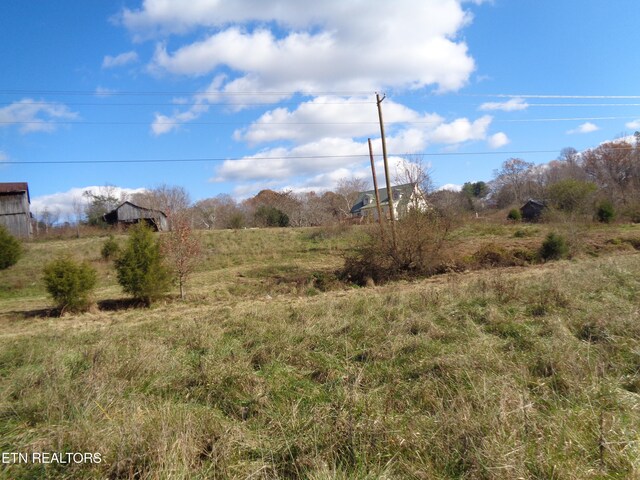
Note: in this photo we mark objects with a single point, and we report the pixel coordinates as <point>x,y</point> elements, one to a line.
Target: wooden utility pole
<point>375,188</point>
<point>392,215</point>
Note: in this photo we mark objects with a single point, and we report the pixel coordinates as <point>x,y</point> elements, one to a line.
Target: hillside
<point>273,369</point>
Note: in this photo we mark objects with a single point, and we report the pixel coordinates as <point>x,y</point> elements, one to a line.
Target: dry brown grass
<point>520,372</point>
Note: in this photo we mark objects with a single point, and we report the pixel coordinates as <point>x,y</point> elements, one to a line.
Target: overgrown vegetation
<point>70,283</point>
<point>272,368</point>
<point>10,249</point>
<point>417,252</point>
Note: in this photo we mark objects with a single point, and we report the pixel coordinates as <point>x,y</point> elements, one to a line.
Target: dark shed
<point>532,210</point>
<point>129,214</point>
<point>14,208</point>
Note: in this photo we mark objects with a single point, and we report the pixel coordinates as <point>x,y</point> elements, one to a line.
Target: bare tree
<point>317,209</point>
<point>183,250</point>
<point>78,211</point>
<point>174,201</point>
<point>215,212</point>
<point>612,166</point>
<point>347,192</point>
<point>513,177</point>
<point>48,218</point>
<point>413,169</point>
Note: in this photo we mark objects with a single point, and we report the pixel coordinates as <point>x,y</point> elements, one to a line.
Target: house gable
<point>405,197</point>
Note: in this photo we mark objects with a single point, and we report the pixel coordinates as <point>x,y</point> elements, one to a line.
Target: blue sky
<point>280,94</point>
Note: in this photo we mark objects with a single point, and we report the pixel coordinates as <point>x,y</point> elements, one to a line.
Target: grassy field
<point>274,369</point>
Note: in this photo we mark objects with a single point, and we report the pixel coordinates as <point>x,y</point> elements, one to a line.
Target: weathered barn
<point>14,209</point>
<point>128,214</point>
<point>532,210</point>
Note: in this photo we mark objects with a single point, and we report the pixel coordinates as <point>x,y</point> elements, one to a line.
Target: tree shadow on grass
<point>117,304</point>
<point>30,314</point>
<point>107,305</point>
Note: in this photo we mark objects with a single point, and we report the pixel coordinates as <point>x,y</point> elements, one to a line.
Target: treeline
<point>579,183</point>
<point>266,209</point>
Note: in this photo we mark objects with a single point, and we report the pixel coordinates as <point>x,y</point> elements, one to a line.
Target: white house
<point>405,197</point>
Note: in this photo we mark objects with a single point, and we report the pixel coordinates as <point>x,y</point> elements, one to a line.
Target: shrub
<point>269,216</point>
<point>420,237</point>
<point>605,212</point>
<point>236,221</point>
<point>514,214</point>
<point>140,269</point>
<point>110,248</point>
<point>572,195</point>
<point>10,249</point>
<point>632,212</point>
<point>70,283</point>
<point>554,247</point>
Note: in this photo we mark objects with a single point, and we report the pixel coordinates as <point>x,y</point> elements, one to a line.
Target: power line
<point>293,92</point>
<point>399,122</point>
<point>192,93</point>
<point>75,122</point>
<point>542,96</point>
<point>292,157</point>
<point>567,119</point>
<point>173,104</point>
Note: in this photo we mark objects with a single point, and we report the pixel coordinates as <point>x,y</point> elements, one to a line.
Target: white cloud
<point>119,60</point>
<point>328,116</point>
<point>302,46</point>
<point>635,125</point>
<point>164,124</point>
<point>336,117</point>
<point>511,105</point>
<point>452,187</point>
<point>587,127</point>
<point>461,130</point>
<point>3,157</point>
<point>324,156</point>
<point>265,52</point>
<point>498,140</point>
<point>35,116</point>
<point>104,92</point>
<point>277,163</point>
<point>325,159</point>
<point>64,203</point>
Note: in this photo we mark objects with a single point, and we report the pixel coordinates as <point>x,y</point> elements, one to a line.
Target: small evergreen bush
<point>236,221</point>
<point>10,249</point>
<point>110,248</point>
<point>141,271</point>
<point>70,283</point>
<point>269,216</point>
<point>515,215</point>
<point>605,212</point>
<point>554,247</point>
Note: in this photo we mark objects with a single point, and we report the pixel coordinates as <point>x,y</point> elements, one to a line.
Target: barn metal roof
<point>15,187</point>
